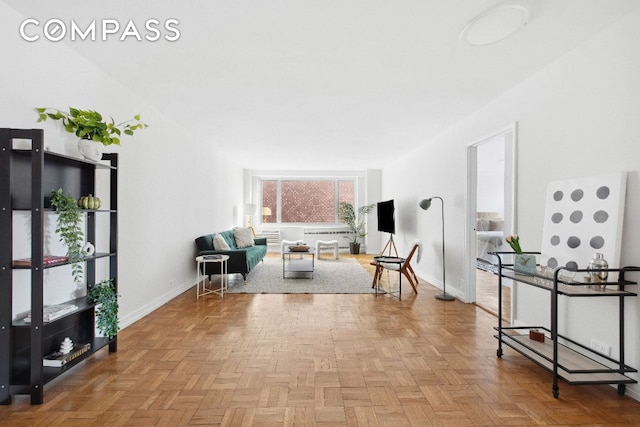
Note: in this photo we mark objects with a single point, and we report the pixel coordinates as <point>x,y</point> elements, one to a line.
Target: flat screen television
<point>386,218</point>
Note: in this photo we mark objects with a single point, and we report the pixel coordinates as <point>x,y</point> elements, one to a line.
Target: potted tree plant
<point>355,220</point>
<point>94,132</point>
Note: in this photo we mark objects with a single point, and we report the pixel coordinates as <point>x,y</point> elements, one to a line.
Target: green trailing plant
<point>89,124</point>
<point>105,297</point>
<point>354,219</point>
<point>68,226</point>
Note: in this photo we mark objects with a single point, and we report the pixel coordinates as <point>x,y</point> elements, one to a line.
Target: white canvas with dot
<point>583,216</point>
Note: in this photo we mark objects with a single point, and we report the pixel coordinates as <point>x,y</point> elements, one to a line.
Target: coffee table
<point>298,262</point>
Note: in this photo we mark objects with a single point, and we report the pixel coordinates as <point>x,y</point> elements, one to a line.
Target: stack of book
<point>53,312</point>
<point>57,358</point>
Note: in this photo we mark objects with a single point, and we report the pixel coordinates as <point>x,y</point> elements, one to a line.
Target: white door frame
<point>510,134</point>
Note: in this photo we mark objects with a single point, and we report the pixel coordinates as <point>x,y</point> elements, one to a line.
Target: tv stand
<point>391,246</point>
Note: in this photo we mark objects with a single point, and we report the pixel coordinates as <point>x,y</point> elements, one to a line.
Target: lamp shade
<point>425,203</point>
<point>266,211</point>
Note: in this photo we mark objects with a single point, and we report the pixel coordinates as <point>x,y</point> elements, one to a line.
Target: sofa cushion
<point>243,237</point>
<point>205,243</point>
<point>229,238</point>
<point>219,243</point>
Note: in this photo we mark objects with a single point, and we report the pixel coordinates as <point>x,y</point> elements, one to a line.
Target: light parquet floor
<point>315,360</point>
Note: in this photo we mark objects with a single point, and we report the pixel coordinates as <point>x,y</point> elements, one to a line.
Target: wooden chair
<point>405,269</point>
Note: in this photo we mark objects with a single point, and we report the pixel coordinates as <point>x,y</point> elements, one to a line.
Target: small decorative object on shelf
<point>88,249</point>
<point>522,263</point>
<point>89,202</point>
<point>66,346</point>
<point>598,271</point>
<point>58,358</point>
<point>536,335</point>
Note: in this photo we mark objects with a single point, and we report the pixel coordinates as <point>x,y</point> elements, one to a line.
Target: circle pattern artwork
<point>582,217</point>
<point>572,265</point>
<point>576,217</point>
<point>577,195</point>
<point>573,242</point>
<point>597,242</point>
<point>600,217</point>
<point>603,192</point>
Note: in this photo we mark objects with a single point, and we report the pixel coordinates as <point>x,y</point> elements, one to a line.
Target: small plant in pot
<point>94,131</point>
<point>68,225</point>
<point>105,297</point>
<point>355,220</point>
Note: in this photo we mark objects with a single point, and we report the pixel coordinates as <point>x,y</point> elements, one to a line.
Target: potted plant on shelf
<point>105,297</point>
<point>94,132</point>
<point>68,226</point>
<point>355,221</point>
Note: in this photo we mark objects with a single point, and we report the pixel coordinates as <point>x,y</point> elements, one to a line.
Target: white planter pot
<point>90,150</point>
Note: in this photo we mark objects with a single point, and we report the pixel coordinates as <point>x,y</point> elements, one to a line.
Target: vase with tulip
<point>522,263</point>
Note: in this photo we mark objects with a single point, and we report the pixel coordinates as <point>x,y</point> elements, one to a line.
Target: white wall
<point>577,117</point>
<point>490,174</point>
<point>174,186</point>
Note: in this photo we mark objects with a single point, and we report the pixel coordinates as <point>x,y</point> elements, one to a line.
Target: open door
<point>490,210</point>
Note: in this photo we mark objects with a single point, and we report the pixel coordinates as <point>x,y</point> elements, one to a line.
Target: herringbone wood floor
<point>323,360</point>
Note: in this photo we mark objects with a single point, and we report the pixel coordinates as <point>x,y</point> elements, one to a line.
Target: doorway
<point>490,215</point>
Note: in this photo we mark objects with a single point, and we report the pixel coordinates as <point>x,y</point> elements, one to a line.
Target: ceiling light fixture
<point>495,25</point>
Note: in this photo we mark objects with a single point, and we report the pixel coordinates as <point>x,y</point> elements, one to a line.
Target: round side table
<point>201,261</point>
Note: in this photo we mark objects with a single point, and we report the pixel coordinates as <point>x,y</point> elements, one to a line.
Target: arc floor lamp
<point>426,204</point>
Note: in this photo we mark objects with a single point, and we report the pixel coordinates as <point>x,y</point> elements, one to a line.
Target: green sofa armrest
<point>260,241</point>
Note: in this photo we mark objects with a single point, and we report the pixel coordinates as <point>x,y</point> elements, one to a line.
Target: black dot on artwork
<point>597,242</point>
<point>555,240</point>
<point>576,195</point>
<point>603,192</point>
<point>576,217</point>
<point>600,217</point>
<point>572,265</point>
<point>558,195</point>
<point>556,217</point>
<point>552,263</point>
<point>573,242</point>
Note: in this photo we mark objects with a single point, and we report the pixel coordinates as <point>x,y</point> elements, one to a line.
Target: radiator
<point>342,235</point>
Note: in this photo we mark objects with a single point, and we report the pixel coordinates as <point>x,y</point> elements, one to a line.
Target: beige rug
<point>342,276</point>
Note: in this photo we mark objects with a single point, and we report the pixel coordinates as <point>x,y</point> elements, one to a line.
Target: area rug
<point>341,276</point>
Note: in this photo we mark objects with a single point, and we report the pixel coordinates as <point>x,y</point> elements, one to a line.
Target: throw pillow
<point>482,225</point>
<point>244,237</point>
<point>496,225</point>
<point>219,243</point>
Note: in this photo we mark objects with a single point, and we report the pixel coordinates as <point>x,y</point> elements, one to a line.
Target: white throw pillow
<point>244,237</point>
<point>219,243</point>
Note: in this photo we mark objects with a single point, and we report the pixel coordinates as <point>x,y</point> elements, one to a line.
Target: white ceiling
<point>324,84</point>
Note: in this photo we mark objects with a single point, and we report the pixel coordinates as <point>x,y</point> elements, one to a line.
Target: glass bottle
<point>598,266</point>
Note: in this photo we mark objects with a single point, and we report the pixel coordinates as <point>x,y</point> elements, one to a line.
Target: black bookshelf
<point>26,178</point>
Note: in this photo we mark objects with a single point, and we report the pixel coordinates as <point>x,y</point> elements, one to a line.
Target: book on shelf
<point>53,312</point>
<point>58,359</point>
<point>46,260</point>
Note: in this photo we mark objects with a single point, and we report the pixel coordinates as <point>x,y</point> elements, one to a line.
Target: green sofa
<point>241,260</point>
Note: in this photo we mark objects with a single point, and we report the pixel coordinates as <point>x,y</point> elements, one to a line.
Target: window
<point>304,201</point>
